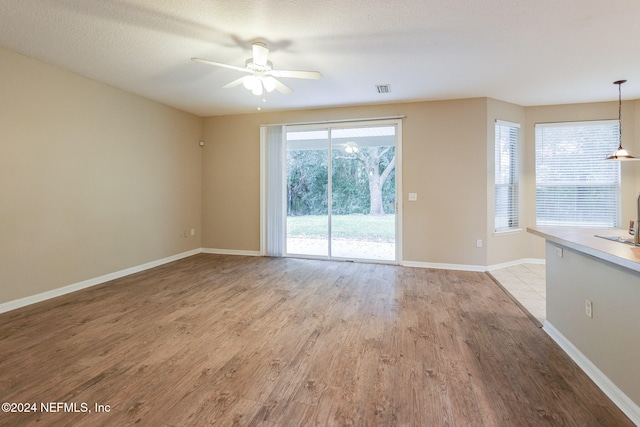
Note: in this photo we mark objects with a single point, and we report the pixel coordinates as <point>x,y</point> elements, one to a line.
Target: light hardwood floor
<point>229,340</point>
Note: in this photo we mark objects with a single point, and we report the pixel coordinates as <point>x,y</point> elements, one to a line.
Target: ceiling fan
<point>262,76</point>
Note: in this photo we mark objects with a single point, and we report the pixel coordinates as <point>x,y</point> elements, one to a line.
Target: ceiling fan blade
<point>260,54</point>
<point>234,83</point>
<point>282,88</point>
<point>220,64</point>
<point>296,74</point>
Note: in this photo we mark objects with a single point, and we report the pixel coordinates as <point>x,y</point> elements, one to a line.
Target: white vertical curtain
<point>273,188</point>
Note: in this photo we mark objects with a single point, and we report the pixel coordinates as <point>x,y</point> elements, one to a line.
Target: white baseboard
<point>230,252</point>
<point>621,400</point>
<point>439,266</point>
<point>22,302</point>
<point>479,268</point>
<point>540,261</point>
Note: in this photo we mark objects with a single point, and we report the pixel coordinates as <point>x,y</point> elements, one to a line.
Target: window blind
<point>507,136</point>
<point>272,145</point>
<point>574,186</point>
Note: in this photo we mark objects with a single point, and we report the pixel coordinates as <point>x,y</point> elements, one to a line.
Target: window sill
<point>507,232</point>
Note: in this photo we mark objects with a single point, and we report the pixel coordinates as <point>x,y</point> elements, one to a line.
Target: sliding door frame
<point>340,124</point>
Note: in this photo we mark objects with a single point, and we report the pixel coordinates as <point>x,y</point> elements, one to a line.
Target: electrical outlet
<point>559,252</point>
<point>479,243</point>
<point>588,308</point>
<point>193,231</point>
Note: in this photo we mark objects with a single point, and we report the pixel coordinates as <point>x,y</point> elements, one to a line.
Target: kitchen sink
<point>627,240</point>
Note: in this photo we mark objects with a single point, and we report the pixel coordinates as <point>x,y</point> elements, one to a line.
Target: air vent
<point>383,88</point>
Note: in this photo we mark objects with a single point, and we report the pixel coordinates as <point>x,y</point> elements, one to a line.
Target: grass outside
<point>349,227</point>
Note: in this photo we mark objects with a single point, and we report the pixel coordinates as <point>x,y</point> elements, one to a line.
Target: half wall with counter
<point>604,339</point>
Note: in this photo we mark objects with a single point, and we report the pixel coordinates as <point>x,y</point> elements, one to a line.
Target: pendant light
<point>620,154</point>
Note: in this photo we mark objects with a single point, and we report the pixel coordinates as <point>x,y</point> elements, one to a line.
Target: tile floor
<point>526,283</point>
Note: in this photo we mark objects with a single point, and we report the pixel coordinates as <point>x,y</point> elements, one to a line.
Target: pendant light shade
<point>620,154</point>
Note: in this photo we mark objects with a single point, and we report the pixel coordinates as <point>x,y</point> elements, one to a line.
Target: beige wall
<point>630,171</point>
<point>92,180</point>
<point>633,141</point>
<point>231,183</point>
<point>444,151</point>
<point>504,248</point>
<point>609,339</point>
<point>512,246</point>
<point>447,160</point>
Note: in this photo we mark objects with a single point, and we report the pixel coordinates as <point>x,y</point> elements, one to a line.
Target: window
<point>574,187</point>
<point>506,175</point>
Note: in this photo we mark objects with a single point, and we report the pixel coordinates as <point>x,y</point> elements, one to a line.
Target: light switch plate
<point>413,197</point>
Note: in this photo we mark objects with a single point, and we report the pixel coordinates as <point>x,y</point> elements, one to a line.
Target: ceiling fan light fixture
<point>257,89</point>
<point>269,83</point>
<point>351,147</point>
<point>620,154</point>
<point>249,82</point>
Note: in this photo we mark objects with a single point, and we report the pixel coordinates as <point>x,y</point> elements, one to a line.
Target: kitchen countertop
<point>585,241</point>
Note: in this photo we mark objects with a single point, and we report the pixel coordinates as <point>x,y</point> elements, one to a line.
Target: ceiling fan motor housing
<point>257,67</point>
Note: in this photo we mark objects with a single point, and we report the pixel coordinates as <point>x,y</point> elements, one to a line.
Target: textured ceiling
<point>529,52</point>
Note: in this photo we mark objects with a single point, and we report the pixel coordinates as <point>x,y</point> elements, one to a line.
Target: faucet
<point>636,234</point>
<point>634,226</point>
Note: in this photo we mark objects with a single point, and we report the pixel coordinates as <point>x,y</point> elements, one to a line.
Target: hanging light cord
<point>619,83</point>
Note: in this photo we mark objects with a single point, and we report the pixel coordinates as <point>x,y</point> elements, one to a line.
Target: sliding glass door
<point>307,192</point>
<point>341,192</point>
